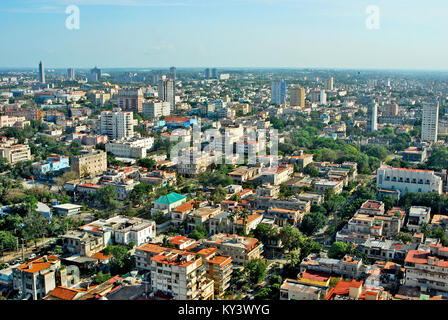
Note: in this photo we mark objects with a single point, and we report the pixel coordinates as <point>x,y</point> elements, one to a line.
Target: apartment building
<point>15,153</point>
<point>130,99</point>
<point>117,124</point>
<point>408,180</point>
<point>430,121</point>
<point>90,163</point>
<point>277,175</point>
<point>219,268</point>
<point>428,270</point>
<point>180,275</point>
<point>37,277</point>
<point>12,121</point>
<point>130,148</point>
<point>240,249</point>
<point>371,222</point>
<point>156,109</point>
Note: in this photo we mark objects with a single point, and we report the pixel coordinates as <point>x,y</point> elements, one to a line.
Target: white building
<point>167,91</point>
<point>117,124</point>
<point>123,230</point>
<point>155,109</point>
<point>408,180</point>
<point>430,121</point>
<point>372,118</point>
<point>417,217</point>
<point>130,148</point>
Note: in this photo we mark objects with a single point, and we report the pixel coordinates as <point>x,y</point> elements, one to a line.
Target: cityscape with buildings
<point>222,183</point>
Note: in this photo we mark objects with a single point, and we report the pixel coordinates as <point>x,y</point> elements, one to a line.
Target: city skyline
<point>199,34</point>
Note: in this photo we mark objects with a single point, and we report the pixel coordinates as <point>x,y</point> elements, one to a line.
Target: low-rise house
<point>243,174</point>
<point>323,185</point>
<point>241,249</point>
<point>166,204</point>
<point>294,290</point>
<point>78,242</point>
<point>348,267</point>
<point>123,230</point>
<point>67,209</point>
<point>417,217</point>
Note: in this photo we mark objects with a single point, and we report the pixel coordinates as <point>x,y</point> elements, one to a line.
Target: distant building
<point>89,164</point>
<point>278,92</point>
<point>430,121</point>
<point>15,153</point>
<point>297,96</point>
<point>130,99</point>
<point>117,124</point>
<point>156,109</point>
<point>372,116</point>
<point>167,91</point>
<point>71,74</point>
<point>95,75</point>
<point>41,73</point>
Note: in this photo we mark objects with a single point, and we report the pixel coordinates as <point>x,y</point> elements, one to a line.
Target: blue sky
<point>225,33</point>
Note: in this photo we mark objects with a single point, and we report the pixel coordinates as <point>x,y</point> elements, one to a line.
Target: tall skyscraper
<point>167,91</point>
<point>297,96</point>
<point>95,74</point>
<point>329,83</point>
<point>173,73</point>
<point>207,73</point>
<point>155,77</point>
<point>214,73</point>
<point>323,97</point>
<point>117,124</point>
<point>372,117</point>
<point>430,121</point>
<point>41,73</point>
<point>278,92</point>
<point>70,74</point>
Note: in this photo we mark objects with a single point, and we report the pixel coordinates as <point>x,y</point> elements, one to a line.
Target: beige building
<point>89,164</point>
<point>297,96</point>
<point>182,275</point>
<point>240,249</point>
<point>219,268</point>
<point>294,290</point>
<point>83,243</point>
<point>16,153</point>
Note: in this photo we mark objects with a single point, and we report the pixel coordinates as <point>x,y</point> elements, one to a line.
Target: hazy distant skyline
<point>224,34</point>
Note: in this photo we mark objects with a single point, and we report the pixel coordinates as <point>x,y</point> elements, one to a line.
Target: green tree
<point>312,222</point>
<point>338,250</point>
<point>291,237</point>
<point>102,277</point>
<point>256,270</point>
